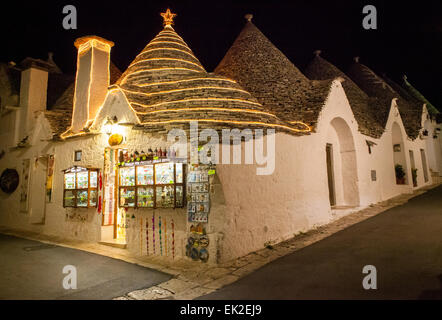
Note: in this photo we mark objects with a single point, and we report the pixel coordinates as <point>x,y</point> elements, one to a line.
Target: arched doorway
<point>341,165</point>
<point>400,163</point>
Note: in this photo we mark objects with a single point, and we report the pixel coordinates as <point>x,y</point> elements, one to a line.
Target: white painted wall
<point>248,211</point>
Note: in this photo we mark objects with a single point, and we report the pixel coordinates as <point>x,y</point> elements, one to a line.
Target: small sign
<point>211,172</point>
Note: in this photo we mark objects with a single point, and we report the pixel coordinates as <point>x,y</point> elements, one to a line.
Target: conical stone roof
<point>375,86</point>
<point>167,86</point>
<point>362,106</point>
<point>419,96</point>
<point>272,78</point>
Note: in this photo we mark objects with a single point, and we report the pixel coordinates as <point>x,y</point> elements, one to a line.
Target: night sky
<point>408,39</point>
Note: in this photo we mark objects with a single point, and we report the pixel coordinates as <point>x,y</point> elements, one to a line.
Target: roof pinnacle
<point>249,17</point>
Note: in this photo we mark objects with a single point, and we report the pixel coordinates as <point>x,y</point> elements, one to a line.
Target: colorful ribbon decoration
<point>147,237</point>
<point>159,231</point>
<point>165,237</point>
<point>173,240</point>
<point>141,236</point>
<point>153,232</point>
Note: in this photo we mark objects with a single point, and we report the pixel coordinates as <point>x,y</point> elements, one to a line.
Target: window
<point>156,185</point>
<point>80,187</point>
<point>77,155</point>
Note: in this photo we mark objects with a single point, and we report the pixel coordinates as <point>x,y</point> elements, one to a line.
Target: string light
<point>198,99</point>
<point>164,39</point>
<point>210,108</point>
<point>169,49</point>
<point>184,89</point>
<point>157,69</point>
<point>152,43</point>
<point>168,59</point>
<point>229,121</point>
<point>170,33</point>
<point>184,80</point>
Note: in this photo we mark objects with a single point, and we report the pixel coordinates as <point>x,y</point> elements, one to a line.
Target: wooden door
<point>330,174</point>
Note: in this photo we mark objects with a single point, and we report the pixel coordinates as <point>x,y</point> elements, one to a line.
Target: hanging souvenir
<point>173,240</point>
<point>204,241</point>
<point>147,237</point>
<point>159,231</point>
<point>165,236</point>
<point>204,255</point>
<point>153,233</point>
<point>194,253</point>
<point>141,236</point>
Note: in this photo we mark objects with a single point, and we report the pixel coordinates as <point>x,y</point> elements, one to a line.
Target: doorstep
<point>116,243</point>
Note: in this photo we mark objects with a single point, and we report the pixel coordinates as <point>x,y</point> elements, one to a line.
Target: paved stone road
<point>33,270</point>
<point>403,243</point>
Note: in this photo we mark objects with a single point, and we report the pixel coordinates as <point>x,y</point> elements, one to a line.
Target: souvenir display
<point>164,173</point>
<point>198,194</point>
<point>145,175</point>
<point>204,255</point>
<point>82,180</point>
<point>82,198</point>
<point>204,241</point>
<point>165,196</point>
<point>84,184</point>
<point>179,172</point>
<point>145,197</point>
<point>69,198</point>
<point>69,180</point>
<point>93,179</point>
<point>127,197</point>
<point>93,198</point>
<point>165,178</point>
<point>197,243</point>
<point>127,176</point>
<point>179,201</point>
<point>194,254</point>
<point>24,185</point>
<point>49,177</point>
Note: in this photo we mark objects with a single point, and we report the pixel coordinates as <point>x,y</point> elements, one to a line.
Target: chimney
<point>92,79</point>
<point>33,92</point>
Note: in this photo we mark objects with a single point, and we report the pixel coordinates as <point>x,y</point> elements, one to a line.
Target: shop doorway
<point>330,174</point>
<point>113,221</point>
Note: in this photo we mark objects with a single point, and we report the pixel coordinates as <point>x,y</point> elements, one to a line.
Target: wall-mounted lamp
<point>108,127</point>
<point>111,128</point>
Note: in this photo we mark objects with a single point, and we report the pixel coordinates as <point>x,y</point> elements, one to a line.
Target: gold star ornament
<point>168,17</point>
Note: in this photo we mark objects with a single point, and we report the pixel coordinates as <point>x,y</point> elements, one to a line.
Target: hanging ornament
<point>147,237</point>
<point>141,236</point>
<point>99,205</point>
<point>173,240</point>
<point>153,233</point>
<point>159,231</point>
<point>165,236</point>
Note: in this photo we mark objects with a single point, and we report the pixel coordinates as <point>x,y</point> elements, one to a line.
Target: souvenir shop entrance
<point>113,225</point>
